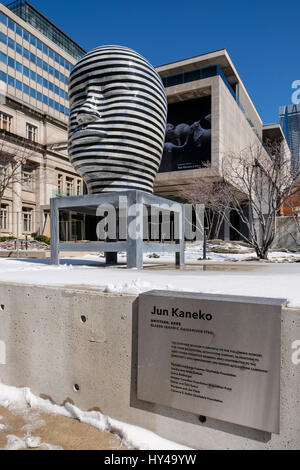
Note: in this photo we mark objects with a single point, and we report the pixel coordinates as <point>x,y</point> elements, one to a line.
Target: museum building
<point>207,92</point>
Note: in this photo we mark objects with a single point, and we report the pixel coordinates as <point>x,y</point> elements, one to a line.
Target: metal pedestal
<point>134,247</point>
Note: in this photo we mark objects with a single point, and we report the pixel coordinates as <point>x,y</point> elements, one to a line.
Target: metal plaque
<point>212,355</point>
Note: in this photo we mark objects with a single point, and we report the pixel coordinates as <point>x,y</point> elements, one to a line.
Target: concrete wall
<point>287,233</point>
<point>50,348</point>
<point>247,104</point>
<point>235,132</point>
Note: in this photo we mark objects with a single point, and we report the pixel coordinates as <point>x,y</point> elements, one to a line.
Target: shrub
<point>154,255</point>
<point>7,239</point>
<point>42,239</point>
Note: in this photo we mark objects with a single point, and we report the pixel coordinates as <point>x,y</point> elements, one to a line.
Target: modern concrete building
<point>290,123</point>
<point>234,120</point>
<point>36,58</point>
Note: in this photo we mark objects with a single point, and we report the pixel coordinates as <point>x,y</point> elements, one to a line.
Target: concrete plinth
<point>57,337</point>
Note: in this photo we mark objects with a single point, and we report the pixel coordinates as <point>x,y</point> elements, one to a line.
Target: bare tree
<point>13,159</point>
<point>202,191</point>
<point>256,182</point>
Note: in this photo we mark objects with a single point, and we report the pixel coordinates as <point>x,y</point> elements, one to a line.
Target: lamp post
<point>205,243</point>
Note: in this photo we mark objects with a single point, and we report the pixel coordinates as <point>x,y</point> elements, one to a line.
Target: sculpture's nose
<point>89,110</point>
<point>87,116</point>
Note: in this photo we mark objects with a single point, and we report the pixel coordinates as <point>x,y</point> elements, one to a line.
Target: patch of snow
<point>32,442</point>
<point>132,436</point>
<point>133,287</point>
<point>20,399</point>
<point>252,279</point>
<point>28,442</point>
<point>45,446</point>
<point>14,443</point>
<point>35,423</point>
<point>142,439</point>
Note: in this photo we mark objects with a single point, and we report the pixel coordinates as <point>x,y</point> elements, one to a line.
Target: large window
<point>27,219</point>
<point>60,184</point>
<point>5,122</point>
<point>27,179</point>
<point>4,217</point>
<point>31,132</point>
<point>79,188</point>
<point>69,186</point>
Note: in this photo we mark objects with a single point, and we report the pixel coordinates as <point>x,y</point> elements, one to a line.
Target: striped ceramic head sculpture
<point>117,120</point>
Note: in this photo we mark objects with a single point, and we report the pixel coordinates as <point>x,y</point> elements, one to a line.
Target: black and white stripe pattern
<point>117,120</point>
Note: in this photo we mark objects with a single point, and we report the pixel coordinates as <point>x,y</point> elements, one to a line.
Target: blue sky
<point>262,37</point>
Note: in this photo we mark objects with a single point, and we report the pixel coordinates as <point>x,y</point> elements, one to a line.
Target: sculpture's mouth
<point>86,134</point>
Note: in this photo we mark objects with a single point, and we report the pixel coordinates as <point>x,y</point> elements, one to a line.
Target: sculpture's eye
<point>94,91</point>
<point>77,96</point>
<point>116,89</point>
<point>88,91</point>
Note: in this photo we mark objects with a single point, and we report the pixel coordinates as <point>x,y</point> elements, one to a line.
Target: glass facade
<point>29,14</point>
<point>34,51</point>
<point>15,64</point>
<point>22,33</point>
<point>197,74</point>
<point>290,123</point>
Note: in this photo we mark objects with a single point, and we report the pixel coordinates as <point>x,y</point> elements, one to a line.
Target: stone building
<point>35,62</point>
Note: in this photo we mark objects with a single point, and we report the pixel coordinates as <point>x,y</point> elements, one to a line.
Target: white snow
<point>28,442</point>
<point>279,280</point>
<point>14,443</point>
<point>22,400</point>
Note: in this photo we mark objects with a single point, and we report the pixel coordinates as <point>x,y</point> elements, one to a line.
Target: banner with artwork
<point>188,136</point>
